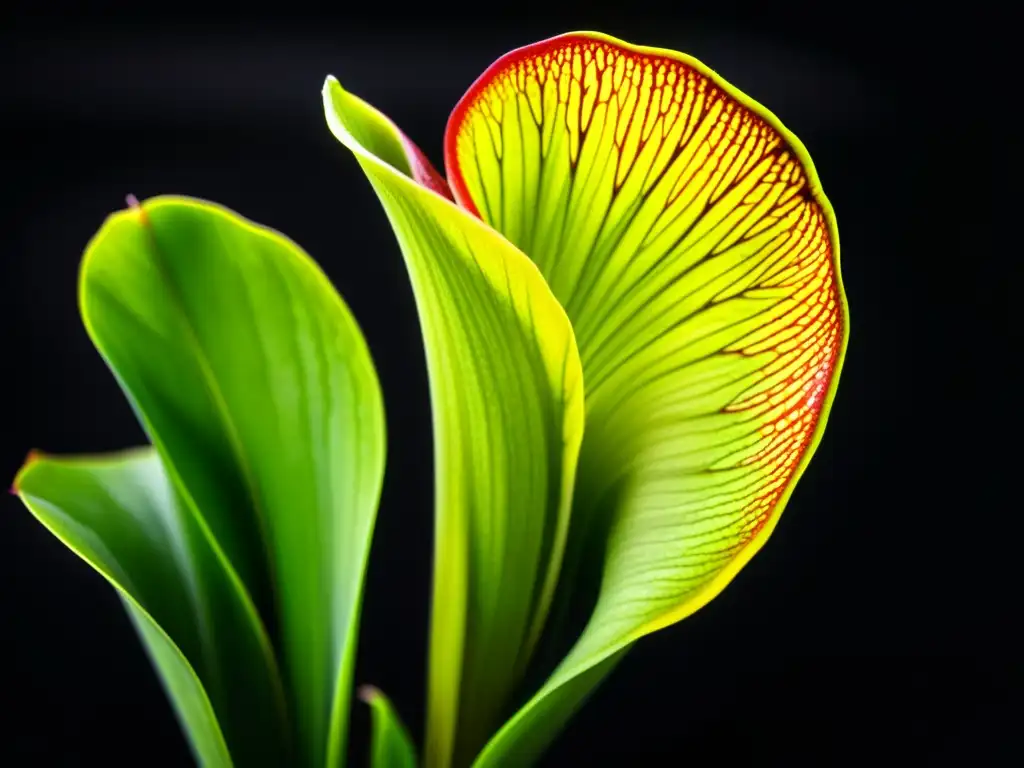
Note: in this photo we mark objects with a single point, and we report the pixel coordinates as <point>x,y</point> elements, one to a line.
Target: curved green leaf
<point>390,744</point>
<point>507,406</point>
<point>121,515</point>
<point>685,232</point>
<point>255,385</point>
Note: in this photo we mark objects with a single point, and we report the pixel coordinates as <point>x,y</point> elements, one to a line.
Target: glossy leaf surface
<point>122,516</point>
<point>507,404</point>
<point>257,390</point>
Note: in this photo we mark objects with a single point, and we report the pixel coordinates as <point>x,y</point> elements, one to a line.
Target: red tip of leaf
<point>135,205</point>
<point>367,693</point>
<point>422,170</point>
<point>32,457</point>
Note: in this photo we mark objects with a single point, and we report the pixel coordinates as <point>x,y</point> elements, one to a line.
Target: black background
<point>871,626</point>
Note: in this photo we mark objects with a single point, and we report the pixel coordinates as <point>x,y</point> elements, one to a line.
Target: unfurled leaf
<point>507,406</point>
<point>390,744</point>
<point>257,390</point>
<point>684,230</point>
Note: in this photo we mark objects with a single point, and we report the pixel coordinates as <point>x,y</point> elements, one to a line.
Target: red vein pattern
<point>685,232</point>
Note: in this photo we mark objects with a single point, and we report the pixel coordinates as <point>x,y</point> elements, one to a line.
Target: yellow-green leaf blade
<point>390,743</point>
<point>523,739</point>
<point>255,384</point>
<point>120,514</point>
<point>507,407</point>
<point>685,231</point>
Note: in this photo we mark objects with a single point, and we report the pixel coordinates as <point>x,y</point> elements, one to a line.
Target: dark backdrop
<point>866,627</point>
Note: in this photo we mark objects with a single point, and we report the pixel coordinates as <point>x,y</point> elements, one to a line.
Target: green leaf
<point>507,405</point>
<point>255,385</point>
<point>685,232</point>
<point>391,746</point>
<point>122,516</point>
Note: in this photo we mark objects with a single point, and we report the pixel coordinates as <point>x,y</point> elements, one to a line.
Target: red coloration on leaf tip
<point>32,457</point>
<point>134,204</point>
<point>451,165</point>
<point>422,169</point>
<point>367,693</point>
<point>506,62</point>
